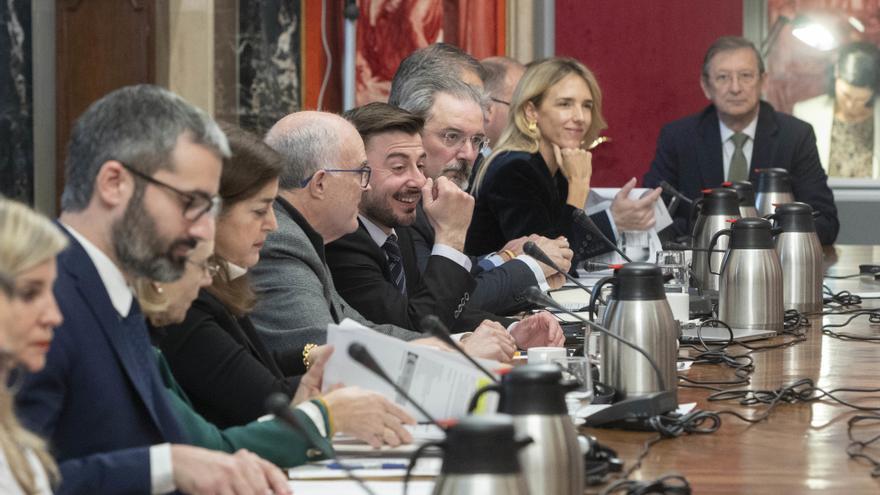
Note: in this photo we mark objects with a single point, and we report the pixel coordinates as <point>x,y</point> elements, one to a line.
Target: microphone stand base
<point>632,413</point>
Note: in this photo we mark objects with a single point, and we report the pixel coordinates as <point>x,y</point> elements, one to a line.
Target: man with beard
<point>375,267</point>
<point>138,155</point>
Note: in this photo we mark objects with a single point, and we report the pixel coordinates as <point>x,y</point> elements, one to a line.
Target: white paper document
<point>600,198</point>
<point>366,467</point>
<point>347,487</point>
<point>441,382</point>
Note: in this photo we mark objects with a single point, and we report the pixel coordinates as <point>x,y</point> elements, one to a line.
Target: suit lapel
<point>765,140</point>
<point>709,154</point>
<point>94,293</point>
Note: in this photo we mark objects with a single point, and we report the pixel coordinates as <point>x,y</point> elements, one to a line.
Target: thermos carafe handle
<point>417,455</point>
<point>695,212</point>
<point>597,289</point>
<point>493,387</point>
<point>712,248</point>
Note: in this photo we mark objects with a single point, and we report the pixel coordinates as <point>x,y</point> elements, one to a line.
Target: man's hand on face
<point>449,210</point>
<point>490,341</point>
<point>201,471</point>
<point>634,214</point>
<point>539,330</point>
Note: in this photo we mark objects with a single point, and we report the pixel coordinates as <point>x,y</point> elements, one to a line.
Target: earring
<point>158,288</point>
<point>533,126</point>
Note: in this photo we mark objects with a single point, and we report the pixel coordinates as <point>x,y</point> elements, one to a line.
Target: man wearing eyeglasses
<point>738,134</point>
<point>502,75</point>
<point>142,174</point>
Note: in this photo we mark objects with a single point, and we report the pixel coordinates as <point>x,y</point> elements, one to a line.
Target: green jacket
<point>271,440</point>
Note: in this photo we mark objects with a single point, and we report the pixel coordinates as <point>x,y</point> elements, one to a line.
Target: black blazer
<point>223,365</point>
<point>519,197</point>
<point>689,156</point>
<point>361,275</point>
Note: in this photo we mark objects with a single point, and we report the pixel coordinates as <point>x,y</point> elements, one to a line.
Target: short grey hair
<point>417,95</point>
<point>436,59</point>
<point>139,126</point>
<point>303,149</point>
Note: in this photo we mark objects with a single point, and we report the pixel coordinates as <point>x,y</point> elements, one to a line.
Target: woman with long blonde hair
<point>539,172</point>
<point>29,243</point>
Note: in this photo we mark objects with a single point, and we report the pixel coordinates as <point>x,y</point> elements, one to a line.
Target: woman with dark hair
<point>216,354</point>
<point>845,120</point>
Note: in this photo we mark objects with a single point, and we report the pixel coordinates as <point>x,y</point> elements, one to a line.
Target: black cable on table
<point>873,317</point>
<point>856,448</point>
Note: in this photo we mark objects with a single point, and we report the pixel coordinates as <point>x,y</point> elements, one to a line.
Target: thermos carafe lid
<point>720,201</point>
<point>533,389</point>
<point>482,444</point>
<point>744,190</point>
<point>773,180</point>
<point>751,233</point>
<point>640,281</point>
<point>795,217</point>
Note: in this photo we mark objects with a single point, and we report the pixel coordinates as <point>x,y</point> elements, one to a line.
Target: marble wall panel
<point>16,101</point>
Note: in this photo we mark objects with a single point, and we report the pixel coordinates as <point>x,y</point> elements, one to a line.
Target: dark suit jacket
<point>224,366</point>
<point>519,197</point>
<point>92,401</point>
<point>690,158</point>
<point>360,273</point>
<point>499,290</point>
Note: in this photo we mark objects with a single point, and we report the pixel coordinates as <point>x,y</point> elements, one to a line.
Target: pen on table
<point>369,465</point>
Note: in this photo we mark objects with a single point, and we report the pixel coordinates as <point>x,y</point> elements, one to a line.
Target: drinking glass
<point>636,244</point>
<point>577,368</point>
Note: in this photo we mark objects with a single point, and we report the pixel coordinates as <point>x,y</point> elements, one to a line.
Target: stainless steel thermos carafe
<point>746,193</point>
<point>716,209</point>
<point>800,253</point>
<point>774,188</point>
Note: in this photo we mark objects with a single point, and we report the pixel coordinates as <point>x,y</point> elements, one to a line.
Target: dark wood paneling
<point>102,45</point>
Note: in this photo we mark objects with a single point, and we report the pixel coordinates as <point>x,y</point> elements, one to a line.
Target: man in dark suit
<point>100,400</point>
<point>737,134</point>
<point>375,266</point>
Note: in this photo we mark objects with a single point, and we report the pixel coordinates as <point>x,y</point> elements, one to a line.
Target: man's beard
<point>381,213</point>
<point>459,172</point>
<point>139,248</point>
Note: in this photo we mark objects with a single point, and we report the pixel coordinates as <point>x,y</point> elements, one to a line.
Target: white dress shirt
<point>728,147</point>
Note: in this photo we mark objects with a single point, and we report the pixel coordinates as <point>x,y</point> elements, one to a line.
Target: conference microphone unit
<point>360,354</point>
<point>668,189</point>
<point>581,218</point>
<point>436,328</point>
<point>629,412</point>
<point>279,405</point>
<point>532,249</point>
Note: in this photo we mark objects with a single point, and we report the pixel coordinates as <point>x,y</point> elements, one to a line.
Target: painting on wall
<point>16,102</point>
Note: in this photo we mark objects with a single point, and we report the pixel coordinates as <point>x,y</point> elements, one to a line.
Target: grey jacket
<point>295,292</point>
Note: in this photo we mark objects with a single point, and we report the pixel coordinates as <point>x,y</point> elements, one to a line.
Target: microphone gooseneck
<point>532,249</point>
<point>668,189</point>
<point>360,354</point>
<point>439,330</point>
<point>581,218</point>
<point>537,296</point>
<point>279,405</point>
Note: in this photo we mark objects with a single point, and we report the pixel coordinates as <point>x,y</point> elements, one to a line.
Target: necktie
<point>395,263</point>
<point>143,360</point>
<point>739,167</point>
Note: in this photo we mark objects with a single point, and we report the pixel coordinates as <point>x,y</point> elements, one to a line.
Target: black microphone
<point>532,249</point>
<point>581,218</point>
<point>360,354</point>
<point>537,296</point>
<point>668,189</point>
<point>279,405</point>
<point>439,330</point>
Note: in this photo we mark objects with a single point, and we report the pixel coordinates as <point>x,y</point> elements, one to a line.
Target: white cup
<point>545,354</point>
<point>680,304</point>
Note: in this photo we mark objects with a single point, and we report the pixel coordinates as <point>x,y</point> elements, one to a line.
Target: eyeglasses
<point>209,266</point>
<point>195,203</point>
<point>455,139</point>
<point>364,170</point>
<point>496,100</point>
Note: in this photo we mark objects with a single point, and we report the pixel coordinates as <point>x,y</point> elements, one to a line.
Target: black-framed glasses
<point>496,100</point>
<point>455,139</point>
<point>195,203</point>
<point>209,266</point>
<point>364,170</point>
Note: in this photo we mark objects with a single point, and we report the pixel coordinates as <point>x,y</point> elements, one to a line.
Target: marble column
<point>16,101</point>
<point>269,62</point>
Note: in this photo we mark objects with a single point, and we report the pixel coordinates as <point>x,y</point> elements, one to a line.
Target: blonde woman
<point>29,243</point>
<point>539,171</point>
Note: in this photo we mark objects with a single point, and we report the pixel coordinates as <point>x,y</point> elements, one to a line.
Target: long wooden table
<point>800,448</point>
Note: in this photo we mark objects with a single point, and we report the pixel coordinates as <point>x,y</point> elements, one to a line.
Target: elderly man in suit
<point>375,266</point>
<point>737,134</point>
<point>143,169</point>
<point>325,173</point>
